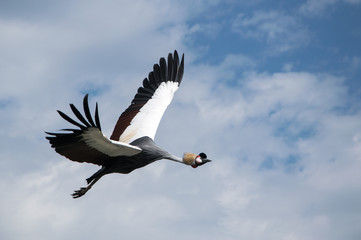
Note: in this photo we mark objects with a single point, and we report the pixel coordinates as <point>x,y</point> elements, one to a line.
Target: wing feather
<point>87,111</point>
<point>69,119</point>
<point>175,67</point>
<point>143,115</point>
<point>152,81</point>
<point>88,144</point>
<point>156,71</point>
<point>170,67</point>
<point>97,121</point>
<point>148,86</point>
<point>78,115</point>
<point>163,70</point>
<point>180,72</point>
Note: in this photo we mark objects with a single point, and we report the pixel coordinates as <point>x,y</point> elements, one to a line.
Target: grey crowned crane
<point>131,144</point>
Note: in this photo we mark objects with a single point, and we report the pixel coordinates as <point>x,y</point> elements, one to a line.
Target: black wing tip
<point>177,68</point>
<point>87,110</point>
<point>49,133</point>
<point>166,70</point>
<point>87,124</point>
<point>162,60</point>
<point>88,115</point>
<point>97,121</point>
<point>175,55</point>
<point>180,70</point>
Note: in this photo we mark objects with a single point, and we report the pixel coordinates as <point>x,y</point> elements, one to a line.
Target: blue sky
<point>284,33</point>
<point>271,93</point>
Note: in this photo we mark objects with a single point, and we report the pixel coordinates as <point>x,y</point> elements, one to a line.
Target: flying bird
<point>131,144</point>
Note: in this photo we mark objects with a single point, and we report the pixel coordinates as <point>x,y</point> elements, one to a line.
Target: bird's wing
<point>143,115</point>
<point>88,144</point>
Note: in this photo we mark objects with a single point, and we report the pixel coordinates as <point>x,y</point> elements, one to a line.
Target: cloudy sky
<point>271,93</point>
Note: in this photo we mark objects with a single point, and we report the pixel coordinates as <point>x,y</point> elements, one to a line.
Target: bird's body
<point>149,154</point>
<point>131,144</point>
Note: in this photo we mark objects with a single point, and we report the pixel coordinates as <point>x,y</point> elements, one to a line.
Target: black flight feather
<point>67,118</point>
<point>163,69</point>
<point>170,67</point>
<point>180,71</point>
<point>87,111</point>
<point>97,117</point>
<point>156,71</point>
<point>79,115</point>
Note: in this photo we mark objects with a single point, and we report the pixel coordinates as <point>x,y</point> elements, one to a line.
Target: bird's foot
<point>80,192</point>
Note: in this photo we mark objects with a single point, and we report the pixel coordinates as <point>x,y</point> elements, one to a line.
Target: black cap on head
<point>203,155</point>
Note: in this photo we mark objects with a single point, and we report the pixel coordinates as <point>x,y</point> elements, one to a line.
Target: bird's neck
<point>188,158</point>
<point>175,158</point>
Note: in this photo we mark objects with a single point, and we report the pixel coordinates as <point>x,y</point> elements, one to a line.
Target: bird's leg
<point>91,181</point>
<point>83,190</point>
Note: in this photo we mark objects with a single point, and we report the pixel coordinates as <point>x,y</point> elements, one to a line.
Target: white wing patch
<point>146,122</point>
<point>95,139</point>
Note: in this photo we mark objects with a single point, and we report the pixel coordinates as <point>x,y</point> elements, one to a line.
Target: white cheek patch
<point>198,160</point>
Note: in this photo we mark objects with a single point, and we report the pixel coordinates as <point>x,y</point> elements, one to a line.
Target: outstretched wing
<point>143,115</point>
<point>88,144</point>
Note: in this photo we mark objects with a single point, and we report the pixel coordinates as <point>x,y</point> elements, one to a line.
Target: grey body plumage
<point>150,153</point>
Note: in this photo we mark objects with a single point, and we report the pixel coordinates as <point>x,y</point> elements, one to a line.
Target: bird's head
<point>195,160</point>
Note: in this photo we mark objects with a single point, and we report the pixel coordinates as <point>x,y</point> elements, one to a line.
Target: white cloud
<point>312,7</point>
<point>353,62</point>
<point>281,32</point>
<point>318,7</point>
<point>208,29</point>
<point>287,67</point>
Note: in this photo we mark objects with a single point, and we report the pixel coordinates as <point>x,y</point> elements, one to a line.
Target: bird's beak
<point>204,161</point>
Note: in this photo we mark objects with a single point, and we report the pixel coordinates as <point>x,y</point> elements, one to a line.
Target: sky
<point>271,92</point>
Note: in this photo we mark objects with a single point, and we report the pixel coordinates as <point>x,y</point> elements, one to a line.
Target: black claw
<point>79,193</point>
